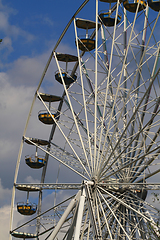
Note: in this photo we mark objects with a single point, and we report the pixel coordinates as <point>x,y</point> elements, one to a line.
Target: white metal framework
<point>104,131</point>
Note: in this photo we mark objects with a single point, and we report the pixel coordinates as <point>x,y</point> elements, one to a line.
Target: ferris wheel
<point>93,152</point>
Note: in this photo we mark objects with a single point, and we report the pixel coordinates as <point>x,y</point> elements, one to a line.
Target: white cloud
<point>27,71</point>
<point>47,21</point>
<point>12,30</point>
<point>14,107</point>
<point>5,199</point>
<point>4,220</point>
<point>30,179</point>
<point>7,43</point>
<point>14,103</point>
<point>39,20</point>
<point>4,25</point>
<point>5,195</point>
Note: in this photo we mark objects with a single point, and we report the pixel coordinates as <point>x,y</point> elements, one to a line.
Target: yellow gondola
<point>131,6</point>
<point>26,208</point>
<point>47,118</point>
<point>86,43</point>
<point>68,78</point>
<point>35,161</point>
<point>108,19</point>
